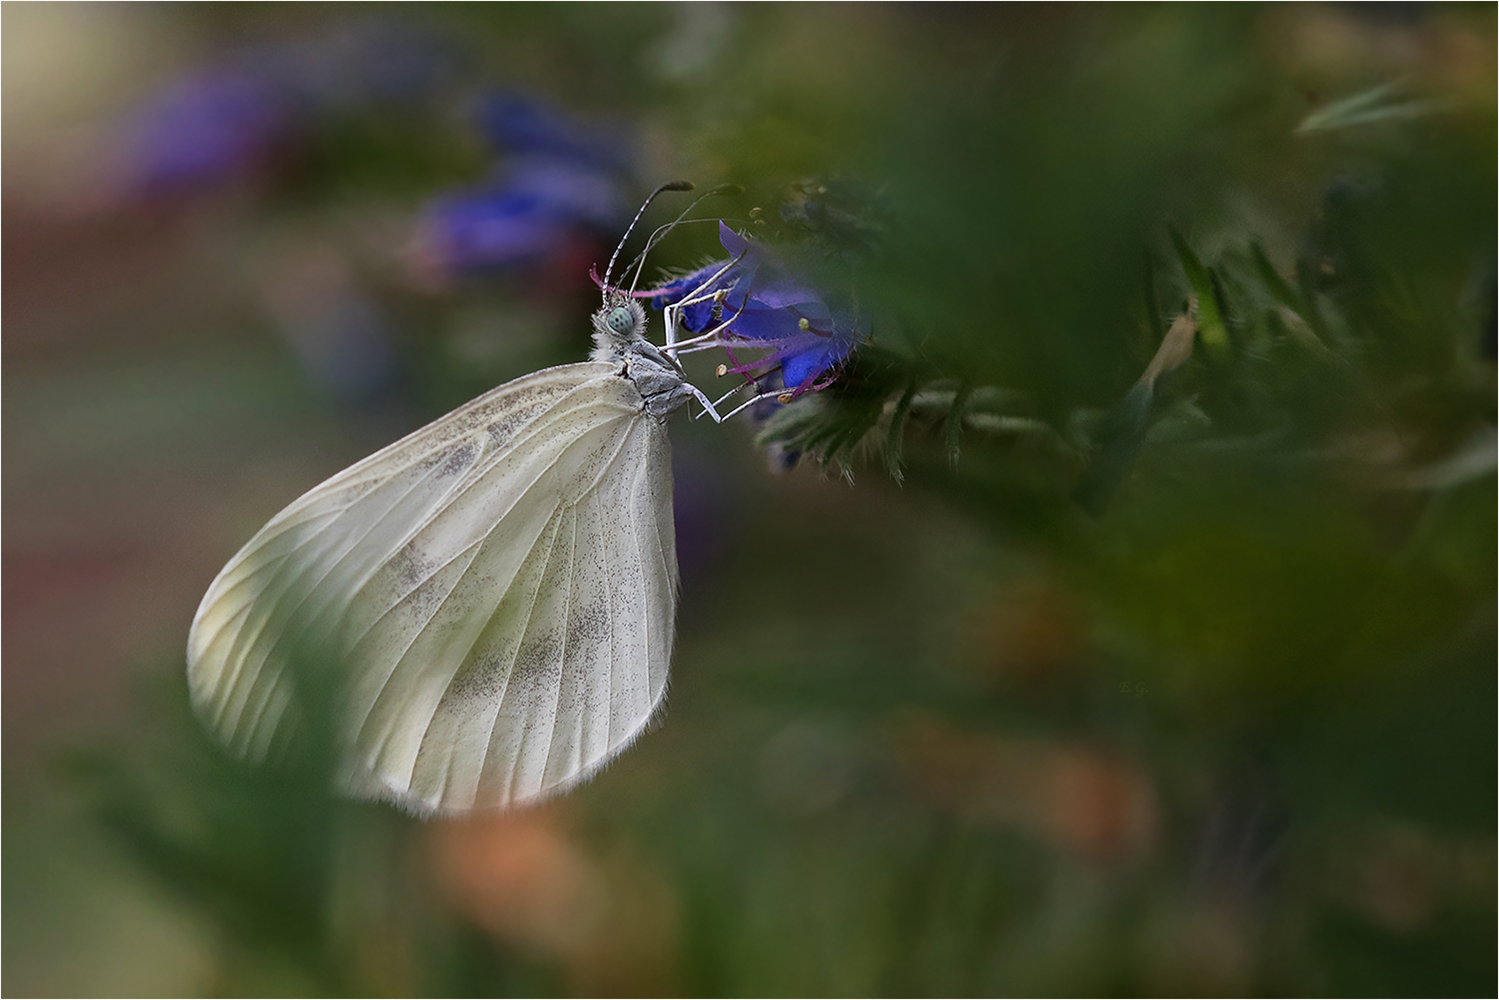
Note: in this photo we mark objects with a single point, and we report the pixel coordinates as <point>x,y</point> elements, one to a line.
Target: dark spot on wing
<point>410,566</point>
<point>459,460</point>
<point>480,681</point>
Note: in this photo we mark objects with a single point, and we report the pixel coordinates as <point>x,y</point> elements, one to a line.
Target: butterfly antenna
<point>660,233</point>
<point>668,186</point>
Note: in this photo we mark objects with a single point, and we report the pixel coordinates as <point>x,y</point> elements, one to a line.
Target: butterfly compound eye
<point>621,320</point>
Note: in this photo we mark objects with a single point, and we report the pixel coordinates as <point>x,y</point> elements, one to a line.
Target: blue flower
<point>204,129</point>
<point>534,213</point>
<point>763,306</point>
<point>562,189</point>
<point>239,115</point>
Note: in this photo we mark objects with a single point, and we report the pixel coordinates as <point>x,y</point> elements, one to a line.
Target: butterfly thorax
<point>619,335</point>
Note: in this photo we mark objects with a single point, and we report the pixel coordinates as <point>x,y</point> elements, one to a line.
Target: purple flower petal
<point>804,366</point>
<point>767,308</point>
<point>697,317</point>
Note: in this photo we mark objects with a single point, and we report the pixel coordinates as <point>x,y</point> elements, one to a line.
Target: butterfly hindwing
<point>494,596</point>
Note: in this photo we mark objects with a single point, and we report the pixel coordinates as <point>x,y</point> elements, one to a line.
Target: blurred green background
<point>1046,669</point>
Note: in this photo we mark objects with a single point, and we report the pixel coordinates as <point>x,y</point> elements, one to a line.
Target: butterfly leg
<point>707,404</point>
<point>779,395</point>
<point>672,312</point>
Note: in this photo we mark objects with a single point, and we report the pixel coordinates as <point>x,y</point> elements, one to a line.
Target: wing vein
<point>567,614</point>
<point>526,727</point>
<point>417,634</point>
<point>608,678</point>
<point>482,468</point>
<point>645,600</point>
<point>291,613</point>
<point>510,672</point>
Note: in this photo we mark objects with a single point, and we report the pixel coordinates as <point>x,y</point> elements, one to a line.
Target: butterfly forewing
<point>493,597</point>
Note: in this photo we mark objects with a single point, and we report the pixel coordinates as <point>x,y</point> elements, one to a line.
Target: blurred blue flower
<point>531,215</point>
<point>764,306</point>
<point>238,116</point>
<point>203,129</point>
<point>563,189</point>
<point>521,125</point>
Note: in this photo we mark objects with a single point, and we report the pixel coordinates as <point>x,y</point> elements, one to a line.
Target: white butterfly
<point>492,599</point>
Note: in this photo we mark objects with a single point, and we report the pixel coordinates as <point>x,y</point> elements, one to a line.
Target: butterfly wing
<point>490,601</point>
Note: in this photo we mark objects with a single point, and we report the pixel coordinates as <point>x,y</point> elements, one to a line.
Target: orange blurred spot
<point>525,877</point>
<point>519,877</point>
<point>1029,633</point>
<point>1076,798</point>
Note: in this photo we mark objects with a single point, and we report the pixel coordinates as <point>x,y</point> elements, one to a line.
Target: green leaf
<point>1210,325</point>
<point>955,422</point>
<point>1365,108</point>
<point>895,436</point>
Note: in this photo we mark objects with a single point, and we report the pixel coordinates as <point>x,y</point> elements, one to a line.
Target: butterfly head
<point>619,322</point>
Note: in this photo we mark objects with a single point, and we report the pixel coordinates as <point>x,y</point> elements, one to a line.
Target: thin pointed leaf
<point>895,437</point>
<point>1209,317</point>
<point>955,422</point>
<point>1365,108</point>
